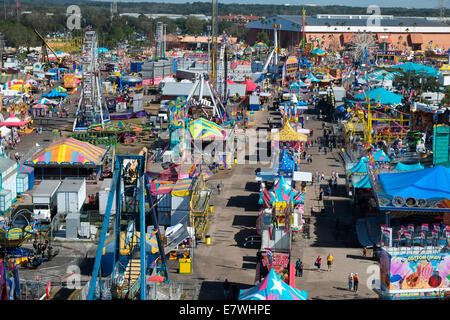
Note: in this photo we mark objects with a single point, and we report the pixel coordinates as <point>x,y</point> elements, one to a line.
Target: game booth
<point>68,158</point>
<point>414,240</point>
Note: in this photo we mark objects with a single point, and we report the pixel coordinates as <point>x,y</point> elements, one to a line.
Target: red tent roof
<point>229,81</point>
<point>251,86</point>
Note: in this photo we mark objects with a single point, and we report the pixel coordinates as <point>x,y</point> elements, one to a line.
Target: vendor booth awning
<point>55,94</point>
<point>419,184</point>
<point>71,151</point>
<point>206,130</point>
<point>13,121</point>
<point>287,133</point>
<point>250,85</point>
<point>272,288</point>
<point>380,95</point>
<point>17,76</point>
<point>364,183</point>
<point>360,167</point>
<point>408,167</point>
<point>417,68</point>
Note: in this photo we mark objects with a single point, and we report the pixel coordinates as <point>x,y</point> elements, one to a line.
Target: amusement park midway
<point>236,217</point>
<point>293,161</point>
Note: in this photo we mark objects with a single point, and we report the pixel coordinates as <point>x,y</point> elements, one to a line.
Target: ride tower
<point>130,190</point>
<point>90,110</point>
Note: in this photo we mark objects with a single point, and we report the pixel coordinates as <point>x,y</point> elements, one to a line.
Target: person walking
<point>355,282</point>
<point>318,263</point>
<point>297,267</point>
<point>350,281</point>
<point>219,188</point>
<point>364,251</point>
<point>329,261</point>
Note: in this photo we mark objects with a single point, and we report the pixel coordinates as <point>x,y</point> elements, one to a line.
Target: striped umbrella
<point>61,89</point>
<point>206,130</point>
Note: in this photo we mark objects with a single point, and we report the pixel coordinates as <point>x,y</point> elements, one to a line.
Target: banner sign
<point>414,273</point>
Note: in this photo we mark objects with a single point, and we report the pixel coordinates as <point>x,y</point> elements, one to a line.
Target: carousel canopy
<point>71,151</point>
<point>206,130</point>
<point>420,184</point>
<point>287,133</point>
<point>408,167</point>
<point>283,192</point>
<point>272,288</point>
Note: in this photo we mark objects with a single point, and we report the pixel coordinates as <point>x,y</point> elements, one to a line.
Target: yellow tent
<point>19,87</point>
<point>287,133</point>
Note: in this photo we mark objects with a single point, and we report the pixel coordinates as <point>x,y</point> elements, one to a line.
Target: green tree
<point>262,37</point>
<point>194,26</point>
<point>446,99</point>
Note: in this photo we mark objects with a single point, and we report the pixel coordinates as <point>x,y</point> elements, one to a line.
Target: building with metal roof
<point>398,32</point>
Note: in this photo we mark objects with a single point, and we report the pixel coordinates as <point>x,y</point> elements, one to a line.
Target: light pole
<point>209,46</point>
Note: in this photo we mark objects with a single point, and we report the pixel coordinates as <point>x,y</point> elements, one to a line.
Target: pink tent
<point>251,86</point>
<point>13,121</point>
<point>231,82</point>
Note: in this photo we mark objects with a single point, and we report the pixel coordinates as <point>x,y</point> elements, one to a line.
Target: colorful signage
<point>415,275</point>
<point>276,260</point>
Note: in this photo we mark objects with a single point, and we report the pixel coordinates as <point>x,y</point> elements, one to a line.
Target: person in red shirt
<point>318,262</point>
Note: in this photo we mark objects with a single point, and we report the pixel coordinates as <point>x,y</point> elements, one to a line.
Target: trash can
<point>211,209</point>
<point>185,265</point>
<point>207,239</point>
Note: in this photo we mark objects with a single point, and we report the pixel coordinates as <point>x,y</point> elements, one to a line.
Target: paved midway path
<point>234,218</point>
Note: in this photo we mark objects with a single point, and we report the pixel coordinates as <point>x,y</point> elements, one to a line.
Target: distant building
<point>329,30</point>
<point>239,18</point>
<point>132,15</point>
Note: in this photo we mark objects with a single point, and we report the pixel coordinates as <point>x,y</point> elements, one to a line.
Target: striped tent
<point>71,151</point>
<point>272,288</point>
<point>179,188</point>
<point>206,130</point>
<point>16,76</point>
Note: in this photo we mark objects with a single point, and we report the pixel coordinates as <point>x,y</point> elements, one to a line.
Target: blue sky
<point>361,3</point>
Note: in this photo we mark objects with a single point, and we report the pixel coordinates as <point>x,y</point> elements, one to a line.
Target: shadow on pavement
<point>252,186</point>
<point>246,221</point>
<point>240,236</point>
<point>248,203</point>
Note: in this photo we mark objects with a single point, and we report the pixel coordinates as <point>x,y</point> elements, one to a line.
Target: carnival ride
<point>16,231</point>
<point>44,54</point>
<point>131,258</point>
<point>91,109</point>
<point>375,124</point>
<point>362,47</point>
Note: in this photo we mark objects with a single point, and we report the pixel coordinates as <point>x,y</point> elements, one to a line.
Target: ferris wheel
<point>363,46</point>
